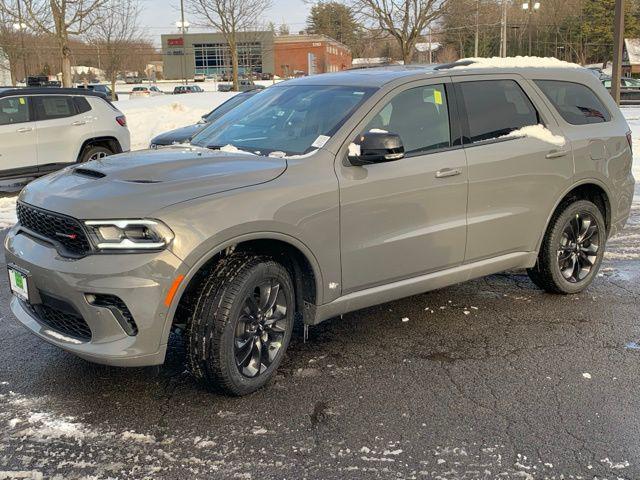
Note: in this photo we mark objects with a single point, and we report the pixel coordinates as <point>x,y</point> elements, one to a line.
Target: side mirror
<point>375,147</point>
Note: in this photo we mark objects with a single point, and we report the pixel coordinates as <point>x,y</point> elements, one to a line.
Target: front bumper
<point>141,281</point>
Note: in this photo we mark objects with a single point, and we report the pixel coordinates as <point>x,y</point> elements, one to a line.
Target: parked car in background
<point>199,77</point>
<point>245,85</point>
<point>100,88</point>
<point>317,197</point>
<point>625,82</point>
<point>43,81</point>
<point>132,80</point>
<point>184,134</point>
<point>629,89</point>
<point>42,130</point>
<point>142,92</point>
<point>182,89</point>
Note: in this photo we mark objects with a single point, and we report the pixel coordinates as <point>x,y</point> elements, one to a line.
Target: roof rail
<point>446,66</point>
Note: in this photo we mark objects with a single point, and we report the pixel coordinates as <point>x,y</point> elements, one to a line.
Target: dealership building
<point>262,52</point>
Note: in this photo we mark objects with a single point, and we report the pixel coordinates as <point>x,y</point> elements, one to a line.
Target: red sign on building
<point>175,42</point>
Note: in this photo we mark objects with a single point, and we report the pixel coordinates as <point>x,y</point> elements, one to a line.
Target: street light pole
<point>618,40</point>
<point>22,27</point>
<point>503,32</point>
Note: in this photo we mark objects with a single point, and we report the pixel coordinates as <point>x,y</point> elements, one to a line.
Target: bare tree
<point>405,20</point>
<point>116,37</point>
<point>10,48</point>
<point>59,19</point>
<point>230,17</point>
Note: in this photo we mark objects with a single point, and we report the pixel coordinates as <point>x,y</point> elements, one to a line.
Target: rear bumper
<point>141,281</point>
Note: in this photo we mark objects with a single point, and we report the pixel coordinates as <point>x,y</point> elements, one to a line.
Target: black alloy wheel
<point>261,328</point>
<point>579,245</point>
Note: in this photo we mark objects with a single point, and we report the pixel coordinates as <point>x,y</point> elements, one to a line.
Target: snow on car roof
<point>514,62</point>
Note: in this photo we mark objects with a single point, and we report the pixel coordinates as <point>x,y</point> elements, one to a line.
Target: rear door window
<point>495,108</point>
<point>420,116</point>
<point>53,107</point>
<point>576,103</point>
<point>14,110</point>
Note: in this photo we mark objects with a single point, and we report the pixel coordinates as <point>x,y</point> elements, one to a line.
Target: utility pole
<point>477,39</point>
<point>430,50</point>
<point>618,40</point>
<point>184,68</point>
<point>503,30</point>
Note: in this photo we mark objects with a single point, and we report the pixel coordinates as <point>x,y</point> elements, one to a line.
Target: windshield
<point>227,106</point>
<point>288,119</point>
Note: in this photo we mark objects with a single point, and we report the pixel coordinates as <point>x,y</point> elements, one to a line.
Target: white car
<point>45,129</point>
<point>151,91</point>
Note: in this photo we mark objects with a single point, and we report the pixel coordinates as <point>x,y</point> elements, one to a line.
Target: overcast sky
<point>160,16</point>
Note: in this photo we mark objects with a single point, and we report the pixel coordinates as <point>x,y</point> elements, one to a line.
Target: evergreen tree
<point>335,20</point>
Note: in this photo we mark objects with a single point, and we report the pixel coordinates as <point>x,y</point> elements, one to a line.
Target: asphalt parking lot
<point>488,379</point>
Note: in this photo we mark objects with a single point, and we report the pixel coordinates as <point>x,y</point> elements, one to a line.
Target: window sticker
<point>437,96</point>
<point>320,141</point>
<point>22,101</point>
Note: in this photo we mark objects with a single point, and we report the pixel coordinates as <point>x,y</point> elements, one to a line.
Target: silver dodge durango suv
<point>320,196</point>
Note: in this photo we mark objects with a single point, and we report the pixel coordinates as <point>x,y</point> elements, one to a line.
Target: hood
<point>134,185</point>
<point>179,135</point>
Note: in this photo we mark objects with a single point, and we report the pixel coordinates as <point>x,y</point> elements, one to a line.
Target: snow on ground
<point>7,211</point>
<point>632,114</point>
<point>148,117</point>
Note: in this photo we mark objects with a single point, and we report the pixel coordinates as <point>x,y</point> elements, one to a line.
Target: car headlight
<point>144,234</point>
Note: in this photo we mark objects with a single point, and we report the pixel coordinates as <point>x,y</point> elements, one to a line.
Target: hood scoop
<point>86,172</point>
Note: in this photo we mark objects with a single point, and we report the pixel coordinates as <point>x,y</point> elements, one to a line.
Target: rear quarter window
<point>577,104</point>
<point>82,105</point>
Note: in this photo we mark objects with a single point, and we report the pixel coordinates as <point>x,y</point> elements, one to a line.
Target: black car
<point>184,134</point>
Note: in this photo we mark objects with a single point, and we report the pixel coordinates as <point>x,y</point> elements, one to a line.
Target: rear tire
<point>241,324</point>
<point>94,152</point>
<point>572,249</point>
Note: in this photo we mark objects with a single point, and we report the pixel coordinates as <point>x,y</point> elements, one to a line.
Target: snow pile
<point>148,117</point>
<point>8,211</point>
<point>632,114</point>
<point>516,62</point>
<point>539,132</point>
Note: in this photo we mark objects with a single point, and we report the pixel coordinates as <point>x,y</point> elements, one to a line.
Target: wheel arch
<point>111,143</point>
<point>587,189</point>
<point>294,255</point>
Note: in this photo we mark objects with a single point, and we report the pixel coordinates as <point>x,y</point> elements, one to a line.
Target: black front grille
<point>61,317</point>
<point>60,229</point>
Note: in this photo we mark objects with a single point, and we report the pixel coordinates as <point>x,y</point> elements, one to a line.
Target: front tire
<point>572,249</point>
<point>241,324</point>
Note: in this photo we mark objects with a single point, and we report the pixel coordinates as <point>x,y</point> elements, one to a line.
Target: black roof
<point>7,92</point>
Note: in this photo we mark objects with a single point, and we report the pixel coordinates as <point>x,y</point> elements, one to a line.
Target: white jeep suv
<point>44,129</point>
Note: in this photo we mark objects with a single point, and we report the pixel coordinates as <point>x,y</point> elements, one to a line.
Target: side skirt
<point>424,283</point>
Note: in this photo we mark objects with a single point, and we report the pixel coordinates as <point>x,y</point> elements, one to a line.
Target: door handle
<point>24,130</point>
<point>556,153</point>
<point>448,172</point>
<point>78,123</point>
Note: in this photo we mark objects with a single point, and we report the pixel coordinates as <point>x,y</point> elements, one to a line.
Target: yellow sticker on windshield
<point>437,96</point>
<point>21,100</point>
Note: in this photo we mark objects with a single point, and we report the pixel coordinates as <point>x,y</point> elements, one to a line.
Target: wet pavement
<point>491,379</point>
